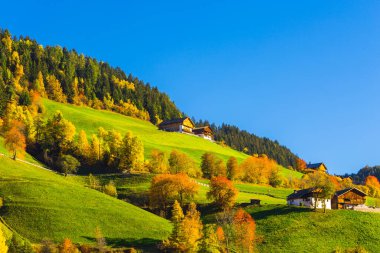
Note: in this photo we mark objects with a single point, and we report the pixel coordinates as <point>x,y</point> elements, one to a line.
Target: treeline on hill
<point>251,144</point>
<point>65,76</point>
<point>363,173</point>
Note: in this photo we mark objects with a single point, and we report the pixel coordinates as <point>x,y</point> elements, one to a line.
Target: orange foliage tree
<point>223,192</point>
<point>166,188</point>
<point>15,140</point>
<point>258,169</point>
<point>374,186</point>
<point>301,164</point>
<point>244,229</point>
<point>67,247</point>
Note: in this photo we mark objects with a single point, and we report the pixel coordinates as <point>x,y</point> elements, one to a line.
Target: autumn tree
<point>232,168</point>
<point>258,169</point>
<point>39,85</point>
<point>300,164</point>
<point>100,240</point>
<point>212,166</point>
<point>374,186</point>
<point>95,149</point>
<point>244,231</point>
<point>133,154</point>
<point>222,192</point>
<point>158,162</point>
<point>181,163</point>
<point>83,145</point>
<point>15,140</point>
<point>191,229</point>
<point>174,241</point>
<point>166,188</point>
<point>110,189</point>
<point>58,134</point>
<point>208,164</point>
<point>210,242</point>
<point>3,245</point>
<point>54,89</point>
<point>113,147</point>
<point>187,230</point>
<point>67,246</point>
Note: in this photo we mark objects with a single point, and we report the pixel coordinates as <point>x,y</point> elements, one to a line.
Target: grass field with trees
<point>42,204</point>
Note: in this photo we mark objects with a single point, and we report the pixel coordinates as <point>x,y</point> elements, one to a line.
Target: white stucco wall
<point>309,202</point>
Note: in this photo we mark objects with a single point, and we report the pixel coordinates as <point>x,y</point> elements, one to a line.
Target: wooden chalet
<point>307,197</point>
<point>177,125</point>
<point>348,198</point>
<point>204,132</point>
<point>316,167</point>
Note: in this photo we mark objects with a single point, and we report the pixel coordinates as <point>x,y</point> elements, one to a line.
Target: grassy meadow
<point>42,204</point>
<point>88,119</point>
<point>294,229</point>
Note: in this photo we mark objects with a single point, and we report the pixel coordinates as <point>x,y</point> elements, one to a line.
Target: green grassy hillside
<point>291,229</point>
<point>90,120</point>
<point>41,204</point>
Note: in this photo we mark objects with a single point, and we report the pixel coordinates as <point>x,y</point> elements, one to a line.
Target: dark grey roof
<point>314,165</point>
<point>299,194</point>
<point>341,192</point>
<point>172,121</point>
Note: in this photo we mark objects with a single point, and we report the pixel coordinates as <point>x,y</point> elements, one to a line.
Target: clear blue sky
<point>306,73</point>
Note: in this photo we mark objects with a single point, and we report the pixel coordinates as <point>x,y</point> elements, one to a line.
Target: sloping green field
<point>41,204</point>
<point>90,120</point>
<point>293,229</point>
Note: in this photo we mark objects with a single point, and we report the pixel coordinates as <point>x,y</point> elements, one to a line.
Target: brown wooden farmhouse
<point>348,199</point>
<point>178,125</point>
<point>186,125</point>
<point>204,132</point>
<point>316,167</point>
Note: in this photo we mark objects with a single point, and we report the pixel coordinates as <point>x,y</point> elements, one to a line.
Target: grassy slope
<point>90,120</point>
<point>292,229</point>
<point>41,204</point>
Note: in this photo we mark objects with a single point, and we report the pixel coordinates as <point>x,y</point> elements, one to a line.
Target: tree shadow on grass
<point>147,244</point>
<point>275,210</point>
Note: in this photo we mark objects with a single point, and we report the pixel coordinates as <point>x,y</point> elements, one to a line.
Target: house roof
<point>341,192</point>
<point>174,121</point>
<point>314,165</point>
<point>299,194</point>
<point>202,129</point>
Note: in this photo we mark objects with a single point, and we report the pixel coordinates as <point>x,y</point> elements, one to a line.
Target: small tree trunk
<point>14,155</point>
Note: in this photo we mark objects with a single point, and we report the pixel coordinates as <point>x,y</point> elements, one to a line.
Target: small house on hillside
<point>177,125</point>
<point>204,132</point>
<point>316,167</point>
<point>186,125</point>
<point>348,198</point>
<point>307,197</point>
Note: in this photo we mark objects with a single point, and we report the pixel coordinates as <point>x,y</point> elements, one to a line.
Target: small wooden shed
<point>255,202</point>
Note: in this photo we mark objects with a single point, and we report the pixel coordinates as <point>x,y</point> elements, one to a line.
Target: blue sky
<point>306,73</point>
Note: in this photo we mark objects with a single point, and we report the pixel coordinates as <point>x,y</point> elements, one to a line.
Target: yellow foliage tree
<point>54,89</point>
<point>258,169</point>
<point>3,245</point>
